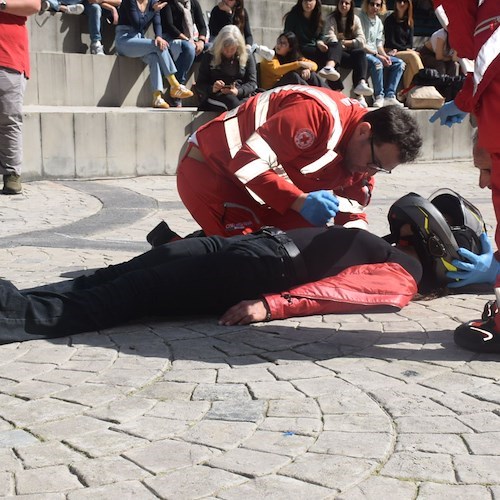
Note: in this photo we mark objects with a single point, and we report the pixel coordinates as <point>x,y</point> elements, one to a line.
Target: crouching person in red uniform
<point>474,32</point>
<point>276,159</point>
<point>266,275</point>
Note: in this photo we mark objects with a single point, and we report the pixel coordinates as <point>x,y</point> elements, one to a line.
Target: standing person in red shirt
<point>14,70</point>
<point>474,32</point>
<point>276,159</point>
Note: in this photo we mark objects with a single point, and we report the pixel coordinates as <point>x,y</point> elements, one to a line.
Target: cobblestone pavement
<point>340,406</point>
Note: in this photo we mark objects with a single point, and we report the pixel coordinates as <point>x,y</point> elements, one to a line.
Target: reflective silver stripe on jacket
<point>488,53</point>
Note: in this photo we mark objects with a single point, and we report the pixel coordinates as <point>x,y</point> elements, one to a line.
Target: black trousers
<point>334,53</point>
<point>355,60</point>
<point>197,275</point>
<point>293,78</point>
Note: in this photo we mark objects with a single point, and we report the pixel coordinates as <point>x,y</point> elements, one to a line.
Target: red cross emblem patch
<point>304,138</point>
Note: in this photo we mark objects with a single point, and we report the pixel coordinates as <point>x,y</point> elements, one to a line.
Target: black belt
<point>290,249</point>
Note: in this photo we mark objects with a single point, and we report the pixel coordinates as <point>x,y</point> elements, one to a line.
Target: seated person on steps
<point>130,40</point>
<point>227,74</point>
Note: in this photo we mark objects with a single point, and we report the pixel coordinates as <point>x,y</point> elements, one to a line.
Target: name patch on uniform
<point>304,138</point>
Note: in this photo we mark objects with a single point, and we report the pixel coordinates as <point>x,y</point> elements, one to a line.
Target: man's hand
<point>319,207</point>
<point>479,268</point>
<point>449,114</point>
<point>245,312</point>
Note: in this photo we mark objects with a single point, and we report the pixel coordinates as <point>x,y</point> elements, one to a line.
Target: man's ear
<point>363,129</point>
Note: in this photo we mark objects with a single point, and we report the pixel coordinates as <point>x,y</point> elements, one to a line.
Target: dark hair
<point>239,18</point>
<point>395,125</point>
<point>408,17</point>
<point>315,22</point>
<point>349,22</point>
<point>294,52</point>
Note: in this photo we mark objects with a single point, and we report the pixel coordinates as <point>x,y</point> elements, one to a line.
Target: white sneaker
<point>362,101</point>
<point>329,73</point>
<point>75,10</point>
<point>362,89</point>
<point>264,52</point>
<point>392,101</point>
<point>378,102</point>
<point>44,6</point>
<point>96,48</point>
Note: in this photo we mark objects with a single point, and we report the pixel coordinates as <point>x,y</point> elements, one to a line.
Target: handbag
<point>425,97</point>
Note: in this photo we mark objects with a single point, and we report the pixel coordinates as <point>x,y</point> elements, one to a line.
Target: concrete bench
<point>89,142</point>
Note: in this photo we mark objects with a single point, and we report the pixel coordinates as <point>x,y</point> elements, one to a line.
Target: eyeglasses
<point>375,164</point>
<point>373,4</point>
<point>281,42</point>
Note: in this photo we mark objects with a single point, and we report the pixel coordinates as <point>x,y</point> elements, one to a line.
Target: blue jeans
<point>183,53</point>
<point>132,44</point>
<point>385,80</point>
<point>94,12</point>
<point>54,4</point>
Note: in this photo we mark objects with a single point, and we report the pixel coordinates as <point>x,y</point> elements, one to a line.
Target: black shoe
<point>480,335</point>
<point>161,234</point>
<point>12,184</point>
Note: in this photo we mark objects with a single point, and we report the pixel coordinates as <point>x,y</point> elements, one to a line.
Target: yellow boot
<point>158,101</point>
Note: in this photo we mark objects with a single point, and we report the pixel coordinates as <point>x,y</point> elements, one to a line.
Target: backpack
<point>447,86</point>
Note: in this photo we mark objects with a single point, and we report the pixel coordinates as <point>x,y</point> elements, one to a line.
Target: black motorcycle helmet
<point>440,225</point>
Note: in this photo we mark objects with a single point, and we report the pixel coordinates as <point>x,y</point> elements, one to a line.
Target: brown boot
<point>12,184</point>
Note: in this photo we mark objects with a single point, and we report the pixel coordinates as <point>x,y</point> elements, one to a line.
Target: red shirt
<point>14,45</point>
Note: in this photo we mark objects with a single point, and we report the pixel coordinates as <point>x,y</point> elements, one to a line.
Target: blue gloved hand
<point>479,268</point>
<point>319,207</point>
<point>449,114</point>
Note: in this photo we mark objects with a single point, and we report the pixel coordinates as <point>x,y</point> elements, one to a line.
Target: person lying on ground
<point>262,276</point>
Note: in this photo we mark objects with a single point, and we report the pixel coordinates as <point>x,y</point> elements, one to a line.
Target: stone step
<point>94,142</point>
<point>59,79</point>
<point>66,142</point>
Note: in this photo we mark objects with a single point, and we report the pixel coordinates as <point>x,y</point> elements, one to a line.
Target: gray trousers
<point>12,87</point>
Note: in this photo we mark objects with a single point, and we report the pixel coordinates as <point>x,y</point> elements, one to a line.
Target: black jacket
<point>172,19</point>
<point>220,18</point>
<point>398,35</point>
<point>245,78</point>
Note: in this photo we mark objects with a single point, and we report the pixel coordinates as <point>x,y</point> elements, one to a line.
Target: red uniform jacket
<point>284,142</point>
<point>357,289</point>
<point>474,32</point>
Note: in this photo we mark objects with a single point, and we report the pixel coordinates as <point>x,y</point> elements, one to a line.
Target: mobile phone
<point>227,86</point>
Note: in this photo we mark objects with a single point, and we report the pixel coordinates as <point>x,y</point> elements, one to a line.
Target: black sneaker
<point>12,184</point>
<point>480,335</point>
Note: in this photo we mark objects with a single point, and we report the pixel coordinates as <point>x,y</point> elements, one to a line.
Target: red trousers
<point>222,207</point>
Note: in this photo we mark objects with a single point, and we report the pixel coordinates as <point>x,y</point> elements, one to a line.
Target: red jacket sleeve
<point>462,24</point>
<point>257,164</point>
<point>464,99</point>
<point>364,288</point>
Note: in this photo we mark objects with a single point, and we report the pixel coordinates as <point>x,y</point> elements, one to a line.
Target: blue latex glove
<point>319,207</point>
<point>448,114</point>
<point>479,268</point>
